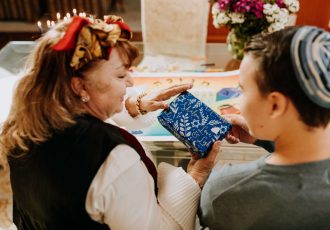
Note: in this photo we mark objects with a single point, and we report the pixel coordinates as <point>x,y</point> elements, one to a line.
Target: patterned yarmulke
<point>310,55</point>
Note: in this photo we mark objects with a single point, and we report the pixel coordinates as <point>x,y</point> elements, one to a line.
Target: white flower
<point>275,14</point>
<point>292,5</point>
<point>219,17</point>
<point>271,12</point>
<point>270,9</point>
<point>236,17</point>
<point>215,23</point>
<point>280,20</point>
<point>222,18</point>
<point>270,18</point>
<point>275,26</point>
<point>283,16</point>
<point>215,8</point>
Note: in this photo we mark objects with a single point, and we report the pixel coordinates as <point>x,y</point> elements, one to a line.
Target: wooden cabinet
<point>316,13</point>
<point>95,7</point>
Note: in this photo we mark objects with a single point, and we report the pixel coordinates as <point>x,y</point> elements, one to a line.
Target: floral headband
<point>91,40</point>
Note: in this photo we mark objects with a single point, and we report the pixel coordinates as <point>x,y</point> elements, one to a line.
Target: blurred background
<point>18,18</point>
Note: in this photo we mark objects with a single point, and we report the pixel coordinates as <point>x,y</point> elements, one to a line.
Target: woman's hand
<point>155,100</point>
<point>200,168</point>
<point>239,131</point>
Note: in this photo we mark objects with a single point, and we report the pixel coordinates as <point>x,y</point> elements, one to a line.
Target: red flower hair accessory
<point>92,40</point>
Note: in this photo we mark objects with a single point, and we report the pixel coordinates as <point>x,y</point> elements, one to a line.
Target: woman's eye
<point>122,76</point>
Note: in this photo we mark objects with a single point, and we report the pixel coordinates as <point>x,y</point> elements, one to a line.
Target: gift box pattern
<point>194,123</point>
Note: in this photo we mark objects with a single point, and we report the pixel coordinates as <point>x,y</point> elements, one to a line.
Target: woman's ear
<point>78,86</point>
<point>279,104</point>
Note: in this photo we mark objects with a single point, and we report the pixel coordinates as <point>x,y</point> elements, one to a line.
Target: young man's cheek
<point>242,104</point>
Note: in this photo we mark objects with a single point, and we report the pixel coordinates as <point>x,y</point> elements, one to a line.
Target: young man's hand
<point>200,168</point>
<point>239,131</point>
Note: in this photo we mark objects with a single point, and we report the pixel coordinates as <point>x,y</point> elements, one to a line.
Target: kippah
<point>310,56</point>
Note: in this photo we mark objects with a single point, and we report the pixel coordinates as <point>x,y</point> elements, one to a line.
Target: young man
<point>285,80</point>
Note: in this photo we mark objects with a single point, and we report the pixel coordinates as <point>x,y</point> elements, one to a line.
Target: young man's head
<point>287,68</point>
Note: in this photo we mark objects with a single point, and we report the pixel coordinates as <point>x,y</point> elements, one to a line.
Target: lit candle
<point>74,12</point>
<point>84,14</point>
<point>48,24</point>
<point>40,26</point>
<point>81,14</point>
<point>91,19</point>
<point>65,18</point>
<point>52,24</point>
<point>68,15</point>
<point>58,16</point>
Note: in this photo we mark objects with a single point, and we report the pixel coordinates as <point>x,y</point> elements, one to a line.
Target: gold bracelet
<point>126,105</point>
<point>138,104</point>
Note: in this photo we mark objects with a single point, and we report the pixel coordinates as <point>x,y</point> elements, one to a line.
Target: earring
<point>85,98</point>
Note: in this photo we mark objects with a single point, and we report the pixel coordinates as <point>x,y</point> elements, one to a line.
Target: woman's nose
<point>129,80</point>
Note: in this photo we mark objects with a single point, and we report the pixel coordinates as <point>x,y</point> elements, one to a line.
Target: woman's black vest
<point>51,181</point>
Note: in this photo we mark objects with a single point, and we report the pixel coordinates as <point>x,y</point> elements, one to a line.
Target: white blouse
<point>122,192</point>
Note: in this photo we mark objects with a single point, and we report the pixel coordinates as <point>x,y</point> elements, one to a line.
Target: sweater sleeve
<point>122,194</point>
<point>178,194</point>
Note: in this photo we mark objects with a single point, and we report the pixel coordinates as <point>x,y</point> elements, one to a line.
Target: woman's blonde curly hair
<point>44,102</point>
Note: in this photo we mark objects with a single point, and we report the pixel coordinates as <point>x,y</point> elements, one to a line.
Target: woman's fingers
<point>150,106</point>
<point>172,91</point>
<point>156,100</point>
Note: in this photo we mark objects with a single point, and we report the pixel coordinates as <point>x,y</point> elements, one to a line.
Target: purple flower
<point>224,4</point>
<point>245,6</point>
<point>258,9</point>
<point>280,3</point>
<point>242,6</point>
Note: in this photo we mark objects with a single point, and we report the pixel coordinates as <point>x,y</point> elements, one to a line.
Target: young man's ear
<point>278,104</point>
<point>78,86</point>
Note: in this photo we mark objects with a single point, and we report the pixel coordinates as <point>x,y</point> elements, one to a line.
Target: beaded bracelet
<point>138,104</point>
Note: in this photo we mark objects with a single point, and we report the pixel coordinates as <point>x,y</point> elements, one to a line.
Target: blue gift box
<point>194,123</point>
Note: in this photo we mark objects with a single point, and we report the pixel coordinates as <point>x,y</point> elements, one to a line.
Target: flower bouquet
<point>245,18</point>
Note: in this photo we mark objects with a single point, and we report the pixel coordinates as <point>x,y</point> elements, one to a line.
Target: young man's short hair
<point>277,73</point>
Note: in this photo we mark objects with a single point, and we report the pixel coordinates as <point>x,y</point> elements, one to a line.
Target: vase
<point>236,43</point>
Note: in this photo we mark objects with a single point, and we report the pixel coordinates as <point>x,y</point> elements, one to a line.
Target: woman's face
<point>106,86</point>
<point>253,106</point>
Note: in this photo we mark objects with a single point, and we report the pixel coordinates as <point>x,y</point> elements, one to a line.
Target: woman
<point>71,170</point>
